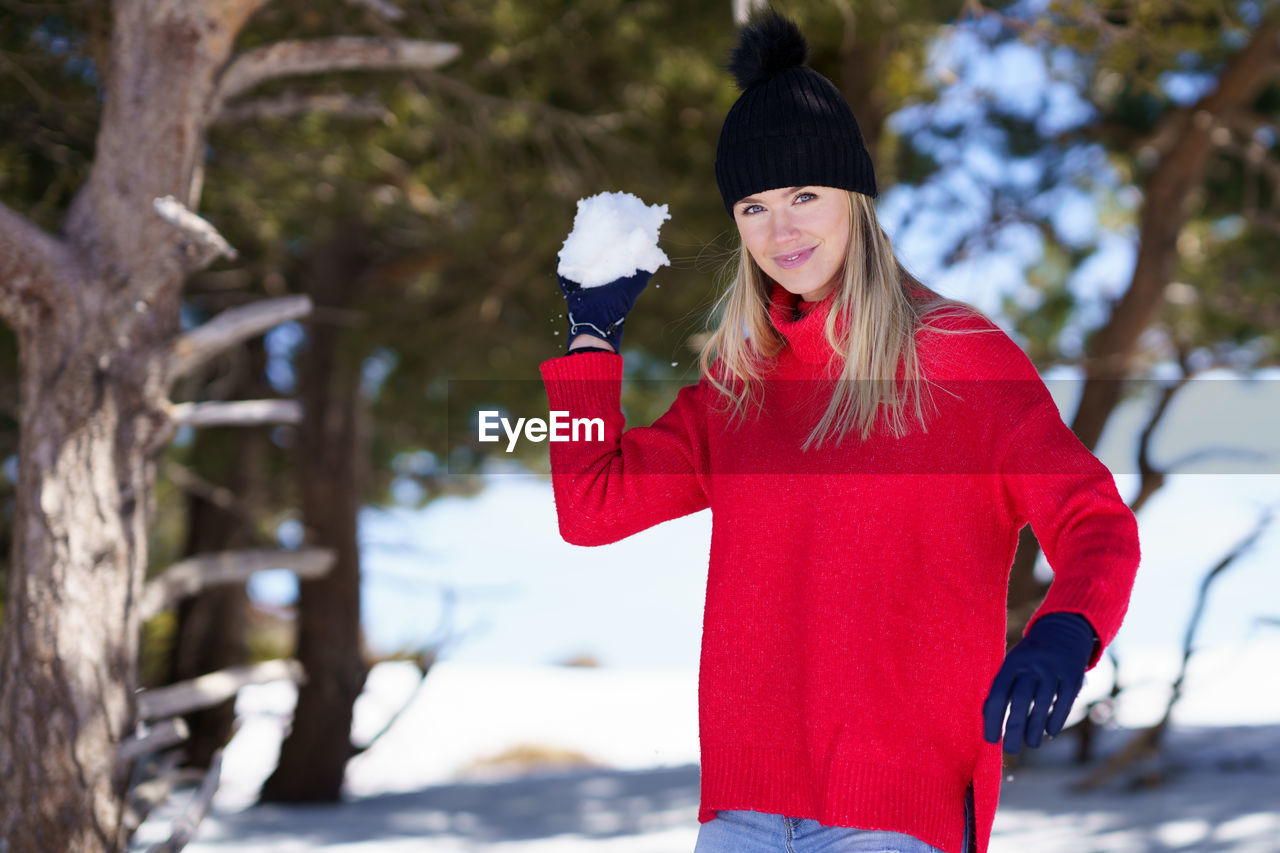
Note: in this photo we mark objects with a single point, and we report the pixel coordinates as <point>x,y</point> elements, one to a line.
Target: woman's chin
<point>805,290</point>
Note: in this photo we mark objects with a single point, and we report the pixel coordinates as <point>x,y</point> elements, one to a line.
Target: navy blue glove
<point>602,310</point>
<point>1050,659</point>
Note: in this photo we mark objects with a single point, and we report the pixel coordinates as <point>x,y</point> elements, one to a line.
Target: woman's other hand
<point>1049,661</point>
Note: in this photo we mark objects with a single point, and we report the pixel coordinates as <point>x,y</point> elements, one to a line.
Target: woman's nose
<point>784,227</point>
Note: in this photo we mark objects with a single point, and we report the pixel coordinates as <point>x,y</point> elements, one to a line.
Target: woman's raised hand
<point>601,311</point>
<point>606,261</point>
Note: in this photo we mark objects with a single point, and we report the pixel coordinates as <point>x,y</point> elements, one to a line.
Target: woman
<point>869,452</point>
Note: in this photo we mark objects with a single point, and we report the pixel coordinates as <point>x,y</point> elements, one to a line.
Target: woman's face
<point>799,236</point>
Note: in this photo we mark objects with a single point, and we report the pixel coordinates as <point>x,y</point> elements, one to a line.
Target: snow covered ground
<point>419,787</point>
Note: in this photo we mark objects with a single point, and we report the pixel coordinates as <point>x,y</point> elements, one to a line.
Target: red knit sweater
<point>856,595</point>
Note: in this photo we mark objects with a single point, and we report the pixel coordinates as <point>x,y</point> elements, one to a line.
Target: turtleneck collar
<point>804,333</point>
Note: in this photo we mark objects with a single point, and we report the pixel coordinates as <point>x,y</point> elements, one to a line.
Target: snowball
<point>614,235</point>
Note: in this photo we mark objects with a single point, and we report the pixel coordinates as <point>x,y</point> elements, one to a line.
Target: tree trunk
<point>96,316</point>
<point>70,635</point>
<point>331,464</point>
<point>95,313</point>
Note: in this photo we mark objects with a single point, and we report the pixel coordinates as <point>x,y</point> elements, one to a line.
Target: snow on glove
<point>607,260</point>
<point>1050,660</point>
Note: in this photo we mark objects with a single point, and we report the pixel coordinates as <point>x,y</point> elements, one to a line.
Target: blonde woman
<point>869,452</point>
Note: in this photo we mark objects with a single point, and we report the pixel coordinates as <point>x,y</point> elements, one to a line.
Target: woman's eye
<point>751,208</point>
<point>805,196</point>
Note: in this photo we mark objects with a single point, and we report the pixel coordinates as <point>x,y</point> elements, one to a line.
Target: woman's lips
<point>793,259</point>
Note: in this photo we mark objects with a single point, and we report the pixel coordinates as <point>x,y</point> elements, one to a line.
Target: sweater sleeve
<point>1088,533</point>
<point>1050,479</point>
<point>613,482</point>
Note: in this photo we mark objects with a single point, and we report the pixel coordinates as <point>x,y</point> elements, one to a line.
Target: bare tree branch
<point>213,689</point>
<point>1143,745</point>
<point>1146,743</point>
<point>146,795</point>
<point>1193,624</point>
<point>1203,453</point>
<point>317,56</point>
<point>293,103</point>
<point>445,635</point>
<point>220,496</point>
<point>190,576</point>
<point>203,244</point>
<point>424,662</point>
<point>184,829</point>
<point>29,264</point>
<point>1086,729</point>
<point>237,413</point>
<point>153,739</point>
<point>1152,478</point>
<point>232,327</point>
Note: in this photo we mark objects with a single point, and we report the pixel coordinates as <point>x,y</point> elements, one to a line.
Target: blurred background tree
<point>1146,129</point>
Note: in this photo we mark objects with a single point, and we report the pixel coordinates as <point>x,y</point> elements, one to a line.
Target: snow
<point>418,789</point>
<point>614,235</point>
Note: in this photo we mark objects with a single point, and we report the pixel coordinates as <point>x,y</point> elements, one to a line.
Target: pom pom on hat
<point>790,127</point>
<point>768,45</point>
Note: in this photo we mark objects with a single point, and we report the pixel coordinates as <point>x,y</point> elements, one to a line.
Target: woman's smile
<point>794,259</point>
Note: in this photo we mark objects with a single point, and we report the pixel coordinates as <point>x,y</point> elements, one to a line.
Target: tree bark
<point>96,317</point>
<point>70,633</point>
<point>95,314</point>
<point>331,466</point>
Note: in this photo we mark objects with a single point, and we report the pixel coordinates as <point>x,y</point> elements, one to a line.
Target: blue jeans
<point>741,831</point>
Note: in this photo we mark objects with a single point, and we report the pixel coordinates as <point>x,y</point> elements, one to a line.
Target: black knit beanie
<point>790,127</point>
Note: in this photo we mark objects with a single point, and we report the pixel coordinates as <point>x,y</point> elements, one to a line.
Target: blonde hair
<point>884,305</point>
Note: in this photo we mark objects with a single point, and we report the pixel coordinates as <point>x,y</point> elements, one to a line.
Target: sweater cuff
<point>1096,654</point>
<point>591,382</point>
